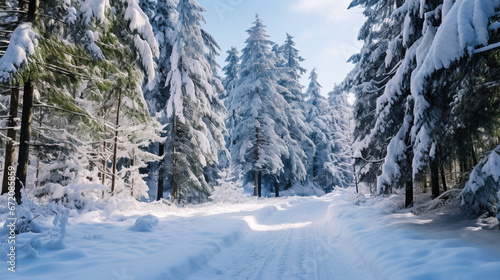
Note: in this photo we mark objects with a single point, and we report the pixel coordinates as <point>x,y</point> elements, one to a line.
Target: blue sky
<point>324,30</point>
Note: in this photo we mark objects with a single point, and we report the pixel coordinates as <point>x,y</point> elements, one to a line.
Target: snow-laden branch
<point>22,45</point>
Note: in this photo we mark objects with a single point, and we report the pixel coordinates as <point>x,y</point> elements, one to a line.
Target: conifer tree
<point>300,145</point>
<point>194,114</point>
<point>259,139</point>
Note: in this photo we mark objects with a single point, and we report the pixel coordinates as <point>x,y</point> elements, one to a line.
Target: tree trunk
<point>355,177</point>
<point>255,183</point>
<point>256,175</point>
<point>103,173</point>
<point>38,150</point>
<point>443,178</point>
<point>473,152</point>
<point>24,141</point>
<point>10,148</point>
<point>33,10</point>
<point>161,151</point>
<point>115,147</point>
<point>132,181</point>
<point>277,188</point>
<point>435,177</point>
<point>260,184</point>
<point>408,175</point>
<point>408,193</point>
<point>175,190</point>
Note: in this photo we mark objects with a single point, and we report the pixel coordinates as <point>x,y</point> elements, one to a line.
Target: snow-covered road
<point>307,238</point>
<point>295,242</point>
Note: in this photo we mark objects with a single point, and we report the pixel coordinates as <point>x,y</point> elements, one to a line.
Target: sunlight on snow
<point>254,225</point>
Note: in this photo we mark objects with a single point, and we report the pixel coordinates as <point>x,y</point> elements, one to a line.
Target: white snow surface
<point>341,235</point>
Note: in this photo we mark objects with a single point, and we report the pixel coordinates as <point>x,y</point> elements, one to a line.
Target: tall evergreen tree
<point>259,139</point>
<point>194,114</point>
<point>320,119</point>
<point>340,163</point>
<point>300,145</point>
<point>231,69</point>
<point>368,80</point>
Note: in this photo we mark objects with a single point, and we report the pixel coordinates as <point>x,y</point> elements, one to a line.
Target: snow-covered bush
<point>145,223</point>
<point>228,191</point>
<point>480,193</point>
<point>26,220</point>
<point>80,196</point>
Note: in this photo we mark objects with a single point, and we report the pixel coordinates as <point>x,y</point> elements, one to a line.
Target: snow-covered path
<point>337,236</point>
<point>295,242</point>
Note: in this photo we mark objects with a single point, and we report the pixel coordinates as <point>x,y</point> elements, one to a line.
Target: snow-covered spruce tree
<point>480,194</point>
<point>368,80</point>
<point>218,134</point>
<point>320,119</point>
<point>464,28</point>
<point>395,106</point>
<point>339,162</point>
<point>300,146</point>
<point>162,18</point>
<point>193,114</point>
<point>230,79</point>
<point>231,69</point>
<point>260,136</point>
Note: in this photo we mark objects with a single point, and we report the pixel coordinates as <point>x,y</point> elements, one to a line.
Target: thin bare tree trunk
<point>161,151</point>
<point>10,148</point>
<point>24,141</point>
<point>132,181</point>
<point>115,147</point>
<point>277,188</point>
<point>175,190</point>
<point>443,178</point>
<point>435,177</point>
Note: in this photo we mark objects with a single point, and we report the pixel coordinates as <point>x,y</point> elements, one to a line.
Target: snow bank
<point>404,246</point>
<point>146,223</point>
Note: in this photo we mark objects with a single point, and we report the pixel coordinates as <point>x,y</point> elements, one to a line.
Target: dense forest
<point>427,100</point>
<point>104,99</point>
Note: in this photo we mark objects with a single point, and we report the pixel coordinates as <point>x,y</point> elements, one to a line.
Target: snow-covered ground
<point>337,236</point>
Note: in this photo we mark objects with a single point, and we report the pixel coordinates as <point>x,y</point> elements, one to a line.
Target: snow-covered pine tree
<point>320,119</point>
<point>230,81</point>
<point>162,18</point>
<point>300,146</point>
<point>194,116</point>
<point>218,135</point>
<point>480,194</point>
<point>231,69</point>
<point>77,94</point>
<point>340,163</point>
<point>260,136</point>
<point>465,26</point>
<point>395,106</point>
<point>368,80</point>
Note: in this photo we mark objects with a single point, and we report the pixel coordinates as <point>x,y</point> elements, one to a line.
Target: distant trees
<point>277,139</point>
<point>124,98</point>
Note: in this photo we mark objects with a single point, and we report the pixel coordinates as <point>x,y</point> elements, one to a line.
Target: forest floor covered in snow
<point>337,236</point>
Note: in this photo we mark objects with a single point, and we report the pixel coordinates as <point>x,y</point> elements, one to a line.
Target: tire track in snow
<point>294,244</point>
